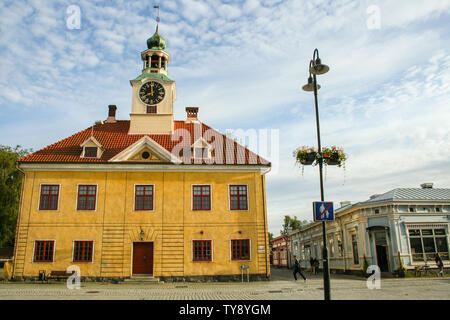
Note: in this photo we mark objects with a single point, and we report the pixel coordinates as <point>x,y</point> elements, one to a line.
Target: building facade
<point>281,251</point>
<point>411,224</point>
<point>146,196</point>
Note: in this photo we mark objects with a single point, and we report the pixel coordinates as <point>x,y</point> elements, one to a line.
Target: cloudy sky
<point>386,99</point>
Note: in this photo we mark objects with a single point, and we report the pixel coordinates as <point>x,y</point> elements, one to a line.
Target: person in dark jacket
<point>297,269</point>
<point>439,263</point>
<point>316,266</point>
<point>311,263</point>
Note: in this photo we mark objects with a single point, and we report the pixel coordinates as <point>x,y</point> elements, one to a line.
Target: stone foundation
<point>218,278</point>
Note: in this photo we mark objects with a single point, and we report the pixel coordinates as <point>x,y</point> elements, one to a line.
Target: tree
<point>291,224</point>
<point>10,188</point>
<point>270,236</point>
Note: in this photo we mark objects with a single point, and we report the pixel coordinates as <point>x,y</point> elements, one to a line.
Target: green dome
<point>156,41</point>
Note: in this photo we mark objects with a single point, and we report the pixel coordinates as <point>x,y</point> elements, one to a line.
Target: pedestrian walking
<point>311,262</point>
<point>439,263</point>
<point>317,266</point>
<point>297,269</point>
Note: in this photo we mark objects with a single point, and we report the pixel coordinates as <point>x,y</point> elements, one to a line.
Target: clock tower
<point>153,91</point>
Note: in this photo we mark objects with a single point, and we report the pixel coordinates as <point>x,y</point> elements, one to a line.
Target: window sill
<point>245,260</point>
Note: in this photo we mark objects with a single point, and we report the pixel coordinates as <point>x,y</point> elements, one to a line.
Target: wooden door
<point>143,258</point>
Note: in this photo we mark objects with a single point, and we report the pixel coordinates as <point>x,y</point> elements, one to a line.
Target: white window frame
<point>153,198</point>
<point>34,252</point>
<point>192,250</point>
<point>250,249</point>
<point>39,198</point>
<point>93,250</point>
<point>420,227</point>
<point>229,197</point>
<point>96,197</point>
<point>192,196</point>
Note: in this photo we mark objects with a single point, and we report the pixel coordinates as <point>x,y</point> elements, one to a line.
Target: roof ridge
<point>114,137</point>
<point>53,144</point>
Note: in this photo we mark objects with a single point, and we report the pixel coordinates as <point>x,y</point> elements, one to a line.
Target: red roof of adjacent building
<point>114,138</point>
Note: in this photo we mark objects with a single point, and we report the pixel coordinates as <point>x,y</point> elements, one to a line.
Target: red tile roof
<point>114,138</point>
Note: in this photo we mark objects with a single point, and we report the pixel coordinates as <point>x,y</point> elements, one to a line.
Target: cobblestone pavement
<point>282,287</point>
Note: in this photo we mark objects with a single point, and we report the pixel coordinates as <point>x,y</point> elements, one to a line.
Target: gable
<point>138,150</point>
<point>145,154</point>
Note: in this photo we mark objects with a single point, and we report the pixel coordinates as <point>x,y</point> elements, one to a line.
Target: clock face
<point>151,92</point>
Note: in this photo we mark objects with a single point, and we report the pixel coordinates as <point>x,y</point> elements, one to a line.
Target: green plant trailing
<point>331,156</point>
<point>305,155</point>
<point>334,156</point>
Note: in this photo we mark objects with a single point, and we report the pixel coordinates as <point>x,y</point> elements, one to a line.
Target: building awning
<point>377,228</point>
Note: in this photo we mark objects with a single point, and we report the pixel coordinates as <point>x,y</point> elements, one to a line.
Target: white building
<point>412,223</point>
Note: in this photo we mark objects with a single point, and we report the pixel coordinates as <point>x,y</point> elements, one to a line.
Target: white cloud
<point>228,11</point>
<point>243,64</point>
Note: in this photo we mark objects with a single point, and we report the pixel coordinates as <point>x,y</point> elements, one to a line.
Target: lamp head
<point>318,68</point>
<point>310,85</point>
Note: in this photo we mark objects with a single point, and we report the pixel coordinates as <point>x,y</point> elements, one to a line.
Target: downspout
<point>343,245</point>
<point>19,214</point>
<point>265,223</point>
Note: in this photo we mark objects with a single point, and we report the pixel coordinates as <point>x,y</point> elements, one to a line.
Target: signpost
<point>242,272</point>
<point>323,211</point>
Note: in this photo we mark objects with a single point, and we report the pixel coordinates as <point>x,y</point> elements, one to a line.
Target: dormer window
<point>91,148</point>
<point>90,152</point>
<point>200,153</point>
<point>201,149</point>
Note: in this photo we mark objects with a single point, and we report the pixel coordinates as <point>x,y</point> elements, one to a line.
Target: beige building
<point>412,223</point>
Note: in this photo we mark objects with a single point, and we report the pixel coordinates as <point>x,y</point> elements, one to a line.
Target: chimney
<point>191,114</point>
<point>427,185</point>
<point>111,114</point>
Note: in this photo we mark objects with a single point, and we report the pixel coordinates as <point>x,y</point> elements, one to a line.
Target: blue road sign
<point>323,211</point>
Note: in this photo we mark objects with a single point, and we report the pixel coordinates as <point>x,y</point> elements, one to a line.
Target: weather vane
<point>157,17</point>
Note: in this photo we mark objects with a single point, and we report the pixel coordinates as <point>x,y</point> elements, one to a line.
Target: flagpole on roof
<point>157,16</point>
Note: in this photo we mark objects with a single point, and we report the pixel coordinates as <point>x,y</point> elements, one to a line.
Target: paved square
<point>282,287</point>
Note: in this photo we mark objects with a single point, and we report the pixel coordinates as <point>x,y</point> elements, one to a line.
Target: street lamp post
<point>315,68</point>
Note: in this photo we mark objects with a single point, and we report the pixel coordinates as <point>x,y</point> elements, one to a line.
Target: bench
<point>54,274</point>
<point>59,275</point>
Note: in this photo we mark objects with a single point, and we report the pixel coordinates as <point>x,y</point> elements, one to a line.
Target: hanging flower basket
<point>334,156</point>
<point>305,155</point>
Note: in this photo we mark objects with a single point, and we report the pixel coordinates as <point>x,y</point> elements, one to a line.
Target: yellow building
<point>146,196</point>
